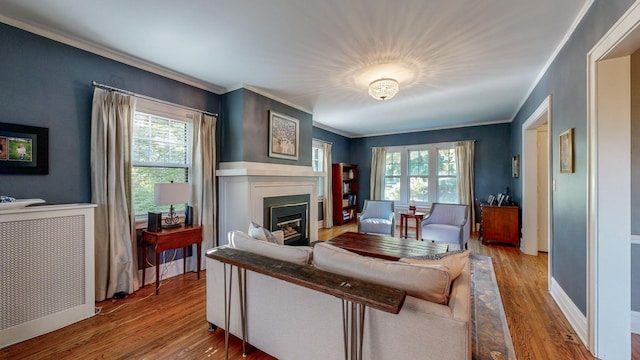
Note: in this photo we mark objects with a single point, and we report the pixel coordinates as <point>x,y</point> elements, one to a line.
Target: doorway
<point>609,188</point>
<point>536,196</point>
<point>543,188</point>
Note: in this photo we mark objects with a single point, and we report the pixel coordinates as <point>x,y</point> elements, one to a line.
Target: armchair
<point>447,223</point>
<point>377,217</point>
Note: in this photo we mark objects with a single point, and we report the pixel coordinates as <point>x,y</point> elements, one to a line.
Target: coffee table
<point>386,247</point>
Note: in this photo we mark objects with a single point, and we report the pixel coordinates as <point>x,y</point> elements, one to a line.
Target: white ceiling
<point>459,62</point>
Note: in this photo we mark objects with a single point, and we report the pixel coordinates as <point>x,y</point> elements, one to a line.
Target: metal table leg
<point>242,289</point>
<point>353,329</point>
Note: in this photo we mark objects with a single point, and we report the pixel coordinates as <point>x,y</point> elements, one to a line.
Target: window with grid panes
<point>425,173</point>
<point>160,151</point>
<point>317,163</point>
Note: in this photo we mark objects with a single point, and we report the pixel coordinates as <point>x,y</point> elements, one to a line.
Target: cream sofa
<point>289,321</point>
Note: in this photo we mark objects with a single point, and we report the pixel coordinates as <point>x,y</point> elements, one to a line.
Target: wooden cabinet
<point>500,224</point>
<point>344,187</point>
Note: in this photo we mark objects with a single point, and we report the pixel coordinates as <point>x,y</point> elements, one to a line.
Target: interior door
<point>543,188</point>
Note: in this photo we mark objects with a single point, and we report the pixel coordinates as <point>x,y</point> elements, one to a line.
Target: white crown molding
<point>331,129</point>
<point>435,128</point>
<point>553,56</point>
<point>273,97</point>
<point>113,55</point>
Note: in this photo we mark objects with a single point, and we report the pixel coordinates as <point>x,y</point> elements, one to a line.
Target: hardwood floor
<point>172,325</point>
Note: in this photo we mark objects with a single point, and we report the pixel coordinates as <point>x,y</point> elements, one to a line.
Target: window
<point>425,173</point>
<point>392,172</point>
<point>317,162</point>
<point>160,152</point>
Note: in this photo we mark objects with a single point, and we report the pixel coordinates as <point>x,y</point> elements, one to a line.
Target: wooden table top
<point>371,295</point>
<point>386,247</point>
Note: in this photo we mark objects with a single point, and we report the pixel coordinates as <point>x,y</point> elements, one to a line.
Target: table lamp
<point>412,206</point>
<point>169,194</point>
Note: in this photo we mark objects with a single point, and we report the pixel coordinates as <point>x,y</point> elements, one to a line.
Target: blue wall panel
<point>341,145</point>
<point>492,154</point>
<point>566,82</point>
<point>48,84</point>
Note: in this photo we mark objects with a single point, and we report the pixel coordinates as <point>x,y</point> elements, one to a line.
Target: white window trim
<point>318,144</point>
<point>166,111</point>
<point>404,170</point>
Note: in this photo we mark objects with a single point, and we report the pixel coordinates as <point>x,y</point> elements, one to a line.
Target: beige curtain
<point>328,196</point>
<point>464,161</point>
<point>115,241</point>
<point>203,199</point>
<point>378,157</point>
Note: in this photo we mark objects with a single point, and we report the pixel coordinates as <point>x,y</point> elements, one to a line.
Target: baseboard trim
<point>167,270</point>
<point>635,322</point>
<point>576,318</point>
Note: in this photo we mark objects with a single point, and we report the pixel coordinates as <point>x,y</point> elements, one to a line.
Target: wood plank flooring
<point>173,325</point>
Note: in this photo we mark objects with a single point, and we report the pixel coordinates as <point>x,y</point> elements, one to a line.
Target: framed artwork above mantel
<point>24,149</point>
<point>284,136</point>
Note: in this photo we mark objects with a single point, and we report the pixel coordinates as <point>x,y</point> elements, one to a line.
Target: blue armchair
<point>447,223</point>
<point>377,217</point>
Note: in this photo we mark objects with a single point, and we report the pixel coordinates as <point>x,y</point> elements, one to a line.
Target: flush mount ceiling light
<point>383,89</point>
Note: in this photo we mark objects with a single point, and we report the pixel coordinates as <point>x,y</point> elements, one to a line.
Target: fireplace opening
<point>289,214</point>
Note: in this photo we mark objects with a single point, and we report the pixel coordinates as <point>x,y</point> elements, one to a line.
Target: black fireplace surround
<point>289,214</point>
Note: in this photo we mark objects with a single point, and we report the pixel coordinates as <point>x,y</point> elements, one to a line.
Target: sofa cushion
<point>295,254</point>
<point>431,283</point>
<point>453,260</point>
<point>257,231</point>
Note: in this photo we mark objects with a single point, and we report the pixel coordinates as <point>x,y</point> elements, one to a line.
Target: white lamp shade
<point>172,193</point>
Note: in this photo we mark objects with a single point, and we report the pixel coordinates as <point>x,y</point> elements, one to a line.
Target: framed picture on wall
<point>284,134</point>
<point>515,166</point>
<point>566,151</point>
<point>23,149</point>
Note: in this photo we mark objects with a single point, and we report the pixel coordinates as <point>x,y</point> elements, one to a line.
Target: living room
<point>47,83</point>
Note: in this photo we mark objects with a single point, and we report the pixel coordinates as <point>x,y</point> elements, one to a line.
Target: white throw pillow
<point>295,254</point>
<point>259,232</point>
<point>431,283</point>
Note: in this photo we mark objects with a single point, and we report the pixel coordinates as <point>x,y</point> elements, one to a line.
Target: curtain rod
<point>322,141</point>
<point>107,87</point>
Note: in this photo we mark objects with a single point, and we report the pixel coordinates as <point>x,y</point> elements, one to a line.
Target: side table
<point>418,216</point>
<point>168,239</point>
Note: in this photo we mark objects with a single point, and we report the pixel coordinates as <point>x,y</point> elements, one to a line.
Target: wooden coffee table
<point>386,247</point>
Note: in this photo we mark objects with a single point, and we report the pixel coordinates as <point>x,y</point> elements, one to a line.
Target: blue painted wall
<point>245,128</point>
<point>492,154</point>
<point>566,82</point>
<point>48,84</point>
<point>341,145</point>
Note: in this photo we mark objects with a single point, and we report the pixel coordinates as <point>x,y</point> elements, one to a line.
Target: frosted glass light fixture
<point>383,89</point>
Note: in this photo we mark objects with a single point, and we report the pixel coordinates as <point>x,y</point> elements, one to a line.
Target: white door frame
<point>608,189</point>
<point>529,244</point>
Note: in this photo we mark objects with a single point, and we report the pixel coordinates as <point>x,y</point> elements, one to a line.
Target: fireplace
<point>243,187</point>
<point>289,214</point>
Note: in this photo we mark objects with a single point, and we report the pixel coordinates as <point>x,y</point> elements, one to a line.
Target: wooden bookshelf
<point>345,193</point>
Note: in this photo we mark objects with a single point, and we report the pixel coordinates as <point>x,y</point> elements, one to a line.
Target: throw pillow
<point>258,232</point>
<point>431,283</point>
<point>454,260</point>
<point>295,254</point>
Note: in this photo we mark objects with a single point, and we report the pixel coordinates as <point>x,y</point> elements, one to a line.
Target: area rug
<point>490,335</point>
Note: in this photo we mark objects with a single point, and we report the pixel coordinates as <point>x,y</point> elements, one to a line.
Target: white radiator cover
<point>46,269</point>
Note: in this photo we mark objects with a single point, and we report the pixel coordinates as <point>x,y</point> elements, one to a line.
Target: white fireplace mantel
<point>243,187</point>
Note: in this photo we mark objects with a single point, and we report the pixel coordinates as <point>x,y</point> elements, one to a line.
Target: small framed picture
<point>24,149</point>
<point>566,151</point>
<point>515,166</point>
<point>284,133</point>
